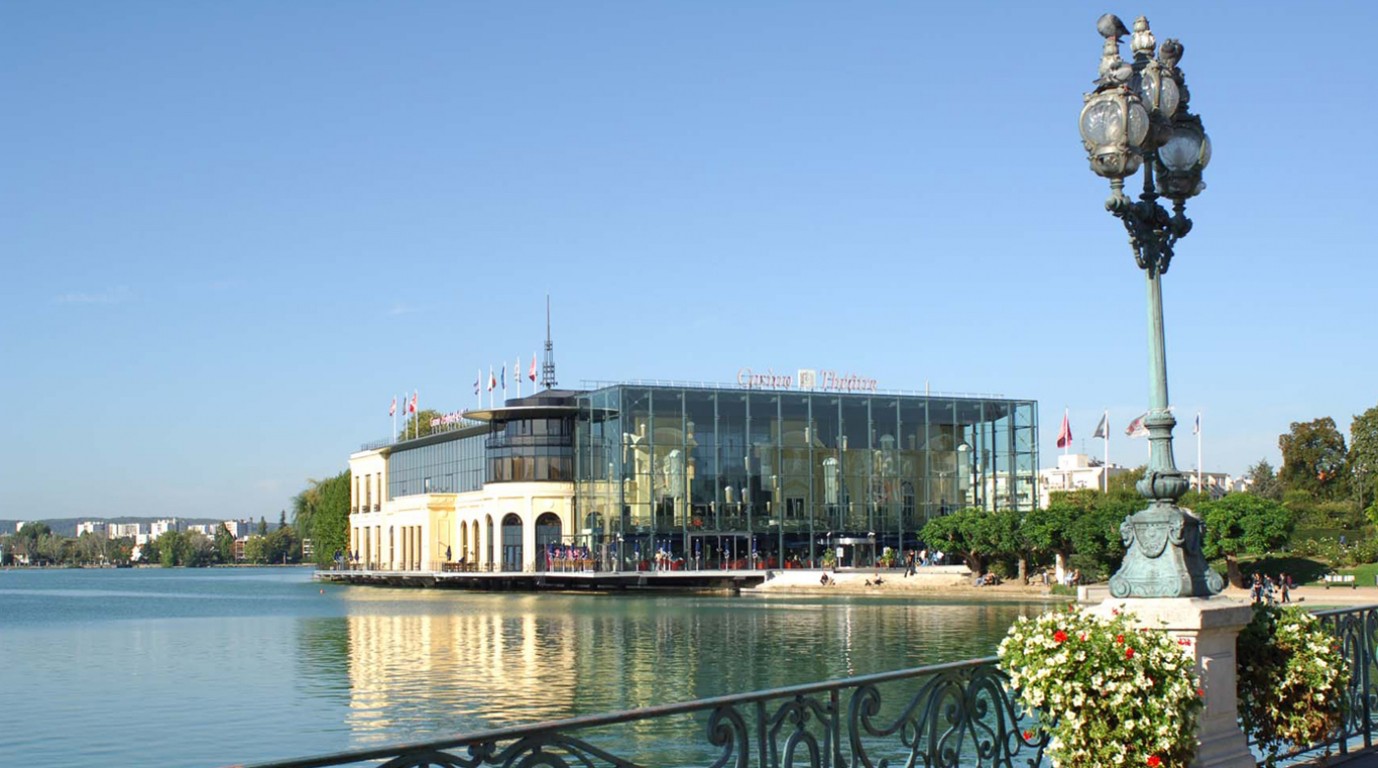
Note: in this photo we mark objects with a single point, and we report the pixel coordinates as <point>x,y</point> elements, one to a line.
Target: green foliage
<point>419,424</point>
<point>256,550</point>
<point>975,535</point>
<point>1263,481</point>
<point>330,523</point>
<point>321,512</point>
<point>1291,679</point>
<point>1243,523</point>
<point>224,544</point>
<point>1314,459</point>
<point>1363,453</point>
<point>1124,482</point>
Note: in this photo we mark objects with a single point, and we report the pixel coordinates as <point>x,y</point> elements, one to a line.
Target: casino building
<point>773,473</point>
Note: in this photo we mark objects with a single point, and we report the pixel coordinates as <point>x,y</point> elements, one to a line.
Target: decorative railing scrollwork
<point>957,715</point>
<point>942,716</point>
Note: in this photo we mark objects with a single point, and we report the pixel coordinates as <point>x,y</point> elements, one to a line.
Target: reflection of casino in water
<point>773,473</point>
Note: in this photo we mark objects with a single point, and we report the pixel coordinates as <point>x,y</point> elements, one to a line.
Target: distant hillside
<point>68,526</point>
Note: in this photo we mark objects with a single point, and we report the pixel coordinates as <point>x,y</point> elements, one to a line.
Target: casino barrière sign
<point>810,379</point>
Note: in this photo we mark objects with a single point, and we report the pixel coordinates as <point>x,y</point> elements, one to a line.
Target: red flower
<point>1154,761</point>
<point>1059,636</point>
<point>1119,639</point>
<point>1129,653</point>
<point>1201,692</point>
<point>1028,735</point>
<point>1082,637</point>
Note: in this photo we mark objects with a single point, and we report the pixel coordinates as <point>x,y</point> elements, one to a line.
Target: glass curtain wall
<point>684,478</point>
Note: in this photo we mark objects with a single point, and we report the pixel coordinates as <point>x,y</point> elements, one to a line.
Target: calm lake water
<point>210,667</point>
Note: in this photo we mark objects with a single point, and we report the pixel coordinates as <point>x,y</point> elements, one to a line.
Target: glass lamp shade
<point>1159,93</point>
<point>1188,149</point>
<point>1182,158</point>
<point>1113,126</point>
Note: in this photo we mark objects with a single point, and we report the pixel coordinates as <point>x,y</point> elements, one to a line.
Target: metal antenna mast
<point>548,367</point>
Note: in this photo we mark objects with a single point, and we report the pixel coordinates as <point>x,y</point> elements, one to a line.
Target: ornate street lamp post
<point>1138,115</point>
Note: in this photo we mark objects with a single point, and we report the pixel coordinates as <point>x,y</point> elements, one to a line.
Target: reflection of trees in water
<point>323,656</point>
<point>484,661</point>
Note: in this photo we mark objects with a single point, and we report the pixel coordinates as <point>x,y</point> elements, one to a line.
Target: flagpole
<point>1199,489</point>
<point>394,419</point>
<point>1105,473</point>
<point>517,374</point>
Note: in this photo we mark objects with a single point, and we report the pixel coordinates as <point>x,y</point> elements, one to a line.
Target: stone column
<point>1211,625</point>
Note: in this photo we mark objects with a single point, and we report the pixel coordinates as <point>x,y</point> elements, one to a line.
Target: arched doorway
<point>547,539</point>
<point>511,543</point>
<point>473,543</point>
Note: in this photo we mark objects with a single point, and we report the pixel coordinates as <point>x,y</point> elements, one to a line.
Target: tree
<point>1242,523</point>
<point>169,545</point>
<point>1363,452</point>
<point>329,529</point>
<point>262,526</point>
<point>1263,482</point>
<point>282,519</point>
<point>973,534</point>
<point>255,550</point>
<point>419,424</point>
<point>224,544</point>
<point>1313,459</point>
<point>1050,529</point>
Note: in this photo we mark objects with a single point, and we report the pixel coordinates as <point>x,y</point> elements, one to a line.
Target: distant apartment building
<point>160,527</point>
<point>1075,471</point>
<point>124,530</point>
<point>205,529</point>
<point>241,529</point>
<point>93,527</point>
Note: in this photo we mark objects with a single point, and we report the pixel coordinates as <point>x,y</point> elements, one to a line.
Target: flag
<point>1196,430</point>
<point>1064,435</point>
<point>492,382</point>
<point>411,407</point>
<point>504,377</point>
<point>517,370</point>
<point>1136,427</point>
<point>1103,429</point>
<point>393,410</point>
<point>532,374</point>
<point>478,381</point>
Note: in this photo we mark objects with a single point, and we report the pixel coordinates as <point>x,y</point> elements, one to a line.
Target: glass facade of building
<point>443,463</point>
<point>728,477</point>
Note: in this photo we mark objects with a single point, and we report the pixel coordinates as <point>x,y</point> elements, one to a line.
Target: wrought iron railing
<point>947,715</point>
<point>1357,631</point>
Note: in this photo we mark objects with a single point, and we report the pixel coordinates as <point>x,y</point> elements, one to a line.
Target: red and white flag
<point>393,410</point>
<point>532,374</point>
<point>411,407</point>
<point>492,380</point>
<point>1136,427</point>
<point>1064,435</point>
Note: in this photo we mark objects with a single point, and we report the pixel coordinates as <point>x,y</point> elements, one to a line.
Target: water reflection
<point>426,665</point>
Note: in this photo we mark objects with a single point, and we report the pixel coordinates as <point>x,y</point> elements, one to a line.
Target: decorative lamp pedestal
<point>1211,625</point>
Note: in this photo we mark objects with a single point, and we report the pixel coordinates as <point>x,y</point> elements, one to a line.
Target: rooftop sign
<point>806,379</point>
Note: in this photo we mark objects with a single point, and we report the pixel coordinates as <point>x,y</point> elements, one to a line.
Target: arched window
<point>547,538</point>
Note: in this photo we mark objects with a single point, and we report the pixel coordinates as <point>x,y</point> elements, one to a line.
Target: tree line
<point>320,514</point>
<point>1319,504</point>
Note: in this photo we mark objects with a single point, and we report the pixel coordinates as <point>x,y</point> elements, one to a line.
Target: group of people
<point>568,558</point>
<point>1271,590</point>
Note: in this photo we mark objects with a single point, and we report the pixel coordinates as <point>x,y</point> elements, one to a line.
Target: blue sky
<point>232,232</point>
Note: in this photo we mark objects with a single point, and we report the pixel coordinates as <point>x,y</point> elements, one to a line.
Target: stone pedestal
<point>1211,624</point>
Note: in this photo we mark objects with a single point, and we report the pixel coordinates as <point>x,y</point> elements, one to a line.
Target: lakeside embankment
<point>956,582</point>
